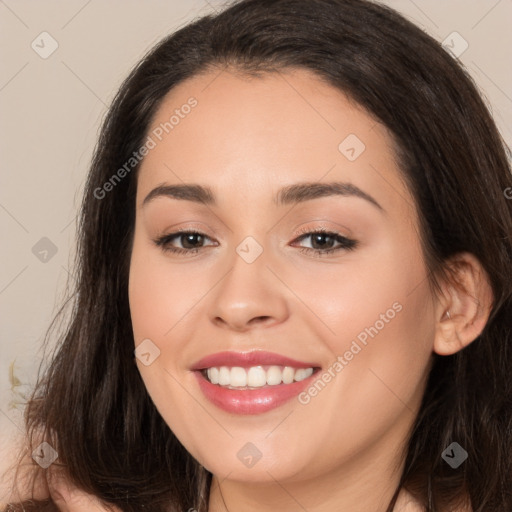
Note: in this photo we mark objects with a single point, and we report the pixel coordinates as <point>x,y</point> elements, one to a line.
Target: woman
<point>297,217</point>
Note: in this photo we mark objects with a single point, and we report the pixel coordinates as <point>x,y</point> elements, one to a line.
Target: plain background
<point>51,110</point>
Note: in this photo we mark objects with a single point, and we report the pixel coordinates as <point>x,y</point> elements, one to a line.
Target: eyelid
<point>338,228</point>
<point>164,238</point>
<point>345,243</point>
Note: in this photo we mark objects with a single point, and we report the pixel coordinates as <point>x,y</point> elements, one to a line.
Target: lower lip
<point>251,401</point>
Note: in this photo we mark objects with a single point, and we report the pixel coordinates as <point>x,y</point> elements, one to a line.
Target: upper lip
<point>248,359</point>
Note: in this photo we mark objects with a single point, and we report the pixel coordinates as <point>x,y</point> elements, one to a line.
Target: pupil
<point>190,238</point>
<point>318,239</point>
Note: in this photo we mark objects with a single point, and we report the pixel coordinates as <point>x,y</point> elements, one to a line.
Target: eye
<point>323,242</point>
<point>189,240</point>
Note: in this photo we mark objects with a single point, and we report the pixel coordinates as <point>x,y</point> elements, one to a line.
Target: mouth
<point>252,382</point>
<point>255,377</point>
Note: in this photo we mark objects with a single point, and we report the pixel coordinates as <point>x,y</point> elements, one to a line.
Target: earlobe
<point>464,308</point>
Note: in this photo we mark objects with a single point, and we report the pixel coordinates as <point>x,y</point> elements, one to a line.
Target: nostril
<point>260,319</point>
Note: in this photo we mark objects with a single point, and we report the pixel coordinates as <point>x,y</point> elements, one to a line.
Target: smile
<point>252,382</point>
<point>255,377</point>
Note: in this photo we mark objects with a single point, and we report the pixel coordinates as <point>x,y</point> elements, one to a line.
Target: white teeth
<point>288,375</point>
<point>274,376</point>
<point>238,377</point>
<point>213,375</point>
<point>224,376</point>
<point>256,376</point>
<point>303,373</point>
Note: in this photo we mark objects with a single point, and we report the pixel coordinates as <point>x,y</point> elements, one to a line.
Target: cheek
<point>378,307</point>
<point>377,294</point>
<point>159,297</point>
<point>382,318</point>
<point>159,294</point>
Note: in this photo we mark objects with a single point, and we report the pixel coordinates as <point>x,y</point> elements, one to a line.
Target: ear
<point>468,298</point>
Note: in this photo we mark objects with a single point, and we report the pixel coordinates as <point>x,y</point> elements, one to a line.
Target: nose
<point>249,296</point>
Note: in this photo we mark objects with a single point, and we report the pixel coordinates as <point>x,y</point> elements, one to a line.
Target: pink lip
<point>248,359</point>
<point>250,401</point>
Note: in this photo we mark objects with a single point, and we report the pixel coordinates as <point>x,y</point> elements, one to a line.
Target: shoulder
<point>22,479</point>
<point>68,497</point>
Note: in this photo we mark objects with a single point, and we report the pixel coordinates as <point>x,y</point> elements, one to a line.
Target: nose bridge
<point>249,292</point>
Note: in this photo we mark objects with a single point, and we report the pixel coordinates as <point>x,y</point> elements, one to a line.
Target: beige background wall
<point>51,109</point>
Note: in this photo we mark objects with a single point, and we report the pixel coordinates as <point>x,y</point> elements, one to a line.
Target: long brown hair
<point>91,402</point>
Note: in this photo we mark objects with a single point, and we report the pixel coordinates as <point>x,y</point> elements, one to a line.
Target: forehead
<point>257,134</point>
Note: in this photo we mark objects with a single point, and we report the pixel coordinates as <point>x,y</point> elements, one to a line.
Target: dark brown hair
<point>91,402</point>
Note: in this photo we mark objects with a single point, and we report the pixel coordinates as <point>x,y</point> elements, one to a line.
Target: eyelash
<point>345,243</point>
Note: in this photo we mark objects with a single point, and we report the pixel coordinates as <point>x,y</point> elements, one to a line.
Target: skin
<point>245,139</point>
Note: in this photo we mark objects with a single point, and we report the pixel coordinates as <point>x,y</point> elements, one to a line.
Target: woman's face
<point>261,286</point>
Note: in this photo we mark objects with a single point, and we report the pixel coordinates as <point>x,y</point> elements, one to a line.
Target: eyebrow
<point>290,194</point>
